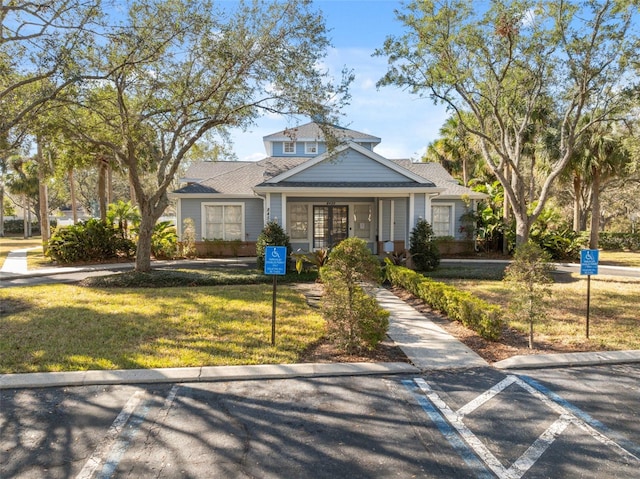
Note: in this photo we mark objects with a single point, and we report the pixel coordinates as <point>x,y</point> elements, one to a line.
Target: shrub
<point>271,235</point>
<point>474,313</point>
<point>91,240</point>
<point>529,277</point>
<point>619,241</point>
<point>187,247</point>
<point>355,321</point>
<point>423,247</point>
<point>164,240</point>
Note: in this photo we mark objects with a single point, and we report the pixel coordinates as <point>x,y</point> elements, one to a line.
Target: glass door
<point>330,225</point>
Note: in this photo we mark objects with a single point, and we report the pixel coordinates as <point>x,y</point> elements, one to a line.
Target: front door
<point>330,225</point>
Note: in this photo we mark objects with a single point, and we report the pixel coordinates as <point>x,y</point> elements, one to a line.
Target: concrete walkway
<point>427,346</point>
<point>16,262</point>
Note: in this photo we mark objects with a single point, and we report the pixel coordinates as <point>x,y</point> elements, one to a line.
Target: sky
<point>405,123</point>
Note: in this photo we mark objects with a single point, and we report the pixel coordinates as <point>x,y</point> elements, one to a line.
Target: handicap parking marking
<point>471,448</point>
<point>105,459</point>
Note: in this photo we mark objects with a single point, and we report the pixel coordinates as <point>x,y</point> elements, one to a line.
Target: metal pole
<point>588,301</point>
<point>273,312</point>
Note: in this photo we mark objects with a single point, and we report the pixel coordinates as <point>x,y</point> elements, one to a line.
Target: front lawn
<point>70,328</point>
<point>614,319</point>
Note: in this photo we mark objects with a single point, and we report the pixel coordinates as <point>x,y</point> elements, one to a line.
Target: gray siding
<point>275,212</point>
<point>253,214</point>
<point>278,148</point>
<point>350,166</point>
<point>460,209</point>
<point>401,218</point>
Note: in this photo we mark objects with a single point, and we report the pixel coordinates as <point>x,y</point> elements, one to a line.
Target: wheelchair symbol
<point>588,257</point>
<point>275,253</point>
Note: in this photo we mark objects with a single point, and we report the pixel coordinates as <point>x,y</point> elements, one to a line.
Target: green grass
<point>620,258</point>
<point>69,328</point>
<point>614,319</point>
<point>10,243</point>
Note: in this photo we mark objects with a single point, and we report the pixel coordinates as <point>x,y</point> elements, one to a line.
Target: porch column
<point>427,208</point>
<point>412,211</point>
<point>284,212</point>
<point>267,208</point>
<point>392,221</point>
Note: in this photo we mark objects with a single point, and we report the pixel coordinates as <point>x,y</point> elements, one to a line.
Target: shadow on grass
<point>168,328</point>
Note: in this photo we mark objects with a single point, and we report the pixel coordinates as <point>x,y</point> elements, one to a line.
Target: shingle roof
<point>240,177</point>
<point>313,132</point>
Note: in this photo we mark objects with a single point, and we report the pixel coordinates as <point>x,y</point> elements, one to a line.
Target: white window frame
<point>309,206</point>
<point>452,217</point>
<point>311,147</point>
<point>291,144</point>
<point>223,204</point>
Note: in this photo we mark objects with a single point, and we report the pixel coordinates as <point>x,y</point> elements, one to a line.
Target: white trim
<point>283,208</point>
<point>412,211</point>
<point>310,145</point>
<point>267,209</point>
<point>392,221</point>
<point>203,217</point>
<point>330,191</point>
<point>295,147</point>
<point>179,218</point>
<point>452,217</point>
<point>380,219</point>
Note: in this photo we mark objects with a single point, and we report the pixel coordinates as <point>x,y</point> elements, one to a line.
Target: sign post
<point>275,263</point>
<point>588,266</point>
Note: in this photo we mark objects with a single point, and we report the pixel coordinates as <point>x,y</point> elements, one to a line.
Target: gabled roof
<point>340,149</point>
<point>313,132</point>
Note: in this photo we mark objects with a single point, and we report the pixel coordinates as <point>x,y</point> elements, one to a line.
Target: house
<point>320,195</point>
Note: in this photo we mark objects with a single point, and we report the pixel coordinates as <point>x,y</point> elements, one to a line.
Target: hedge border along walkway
<point>474,313</point>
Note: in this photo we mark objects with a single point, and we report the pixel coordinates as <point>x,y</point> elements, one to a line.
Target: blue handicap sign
<point>275,260</point>
<point>589,261</point>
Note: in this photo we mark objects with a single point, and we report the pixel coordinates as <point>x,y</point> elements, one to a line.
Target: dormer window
<point>289,147</point>
<point>311,148</point>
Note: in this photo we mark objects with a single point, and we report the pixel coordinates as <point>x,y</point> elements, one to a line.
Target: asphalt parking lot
<point>574,422</point>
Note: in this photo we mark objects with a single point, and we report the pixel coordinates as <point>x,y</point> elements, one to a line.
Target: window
<point>311,148</point>
<point>442,220</point>
<point>223,222</point>
<point>298,221</point>
<point>289,147</point>
<point>362,216</point>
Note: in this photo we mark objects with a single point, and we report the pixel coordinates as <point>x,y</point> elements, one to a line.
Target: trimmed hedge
<point>474,313</point>
<point>619,241</point>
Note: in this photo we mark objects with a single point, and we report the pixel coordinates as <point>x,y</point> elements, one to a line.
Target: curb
<point>201,374</point>
<point>536,361</point>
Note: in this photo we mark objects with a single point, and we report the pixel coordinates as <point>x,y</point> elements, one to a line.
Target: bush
<point>355,321</point>
<point>619,241</point>
<point>423,247</point>
<point>529,276</point>
<point>91,240</point>
<point>271,235</point>
<point>164,240</point>
<point>474,313</point>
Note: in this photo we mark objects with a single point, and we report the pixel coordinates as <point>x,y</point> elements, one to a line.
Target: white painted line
<point>486,396</point>
<point>471,439</point>
<point>577,421</point>
<point>114,431</point>
<point>535,451</point>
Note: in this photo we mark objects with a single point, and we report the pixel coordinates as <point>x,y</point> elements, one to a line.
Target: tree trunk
<point>74,201</point>
<point>102,187</point>
<point>594,237</point>
<point>25,208</point>
<point>43,200</point>
<point>577,207</point>
<point>1,209</point>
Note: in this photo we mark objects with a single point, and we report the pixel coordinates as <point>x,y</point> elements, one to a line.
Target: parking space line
<point>97,458</point>
<point>568,414</point>
<point>486,396</point>
<point>540,445</point>
<point>464,451</point>
<point>470,438</point>
<point>583,420</point>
